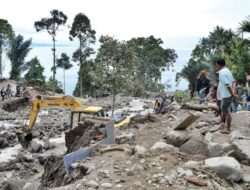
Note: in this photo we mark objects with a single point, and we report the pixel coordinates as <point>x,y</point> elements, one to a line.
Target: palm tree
<point>245,25</point>
<point>19,49</point>
<point>65,64</point>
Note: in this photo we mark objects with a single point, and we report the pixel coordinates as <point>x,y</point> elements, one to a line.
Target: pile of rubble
<point>148,154</point>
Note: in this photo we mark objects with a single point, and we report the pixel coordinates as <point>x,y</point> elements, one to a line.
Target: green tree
<point>115,64</point>
<point>6,34</point>
<point>19,49</point>
<point>91,84</point>
<point>218,44</point>
<point>34,76</point>
<point>64,63</point>
<point>245,25</point>
<point>50,84</point>
<point>150,60</point>
<point>190,72</point>
<point>81,29</point>
<point>51,25</point>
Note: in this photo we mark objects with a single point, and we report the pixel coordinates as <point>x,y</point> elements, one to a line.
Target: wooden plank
<point>187,122</point>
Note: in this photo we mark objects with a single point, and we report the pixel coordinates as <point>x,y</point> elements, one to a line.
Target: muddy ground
<point>149,154</point>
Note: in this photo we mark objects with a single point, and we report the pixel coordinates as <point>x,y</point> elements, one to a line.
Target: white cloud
<point>180,23</point>
<point>129,18</point>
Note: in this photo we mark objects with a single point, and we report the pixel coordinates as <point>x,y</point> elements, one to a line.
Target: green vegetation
<point>6,34</point>
<point>222,43</point>
<point>18,51</point>
<point>34,76</point>
<point>81,29</point>
<point>64,63</point>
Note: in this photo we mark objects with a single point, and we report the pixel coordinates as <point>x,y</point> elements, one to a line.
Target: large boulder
<point>242,149</point>
<point>177,137</point>
<point>195,146</point>
<point>225,167</point>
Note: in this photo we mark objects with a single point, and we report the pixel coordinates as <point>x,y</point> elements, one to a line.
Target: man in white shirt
<point>226,92</point>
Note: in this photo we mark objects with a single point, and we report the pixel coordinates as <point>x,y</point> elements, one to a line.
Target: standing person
<point>226,93</point>
<point>157,106</point>
<point>3,93</point>
<point>235,99</point>
<point>21,90</point>
<point>8,91</point>
<point>244,101</point>
<point>202,86</point>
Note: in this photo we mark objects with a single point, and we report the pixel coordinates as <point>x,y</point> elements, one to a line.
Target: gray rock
<point>136,168</point>
<point>225,167</point>
<point>3,142</point>
<point>31,186</point>
<point>201,124</point>
<point>177,137</point>
<point>161,146</point>
<point>140,150</point>
<point>242,149</point>
<point>35,146</point>
<point>214,128</point>
<point>215,150</point>
<point>246,178</point>
<point>125,138</point>
<point>106,185</point>
<point>104,173</point>
<point>92,184</point>
<point>195,146</point>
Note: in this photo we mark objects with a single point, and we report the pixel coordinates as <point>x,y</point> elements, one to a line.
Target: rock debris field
<point>148,154</point>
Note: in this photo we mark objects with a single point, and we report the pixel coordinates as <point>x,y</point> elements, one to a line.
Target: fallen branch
<point>195,181</point>
<point>197,107</point>
<point>127,149</point>
<point>112,149</point>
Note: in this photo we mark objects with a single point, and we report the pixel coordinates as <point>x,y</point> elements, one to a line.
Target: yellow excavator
<point>38,103</point>
<point>62,101</point>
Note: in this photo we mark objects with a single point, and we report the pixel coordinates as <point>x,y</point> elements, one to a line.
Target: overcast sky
<point>180,23</point>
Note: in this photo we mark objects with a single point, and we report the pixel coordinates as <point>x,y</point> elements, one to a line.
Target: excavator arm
<point>39,103</point>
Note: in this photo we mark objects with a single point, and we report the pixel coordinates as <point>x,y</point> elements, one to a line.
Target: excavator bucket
<point>24,139</point>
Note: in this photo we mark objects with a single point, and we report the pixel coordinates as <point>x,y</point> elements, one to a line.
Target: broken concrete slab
<point>187,122</point>
<point>226,167</point>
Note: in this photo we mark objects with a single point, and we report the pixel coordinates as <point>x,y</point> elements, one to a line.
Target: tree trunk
<point>80,81</point>
<point>54,65</point>
<point>64,81</point>
<point>113,101</point>
<point>80,73</point>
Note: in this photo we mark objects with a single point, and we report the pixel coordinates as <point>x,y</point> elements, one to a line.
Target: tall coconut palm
<point>19,49</point>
